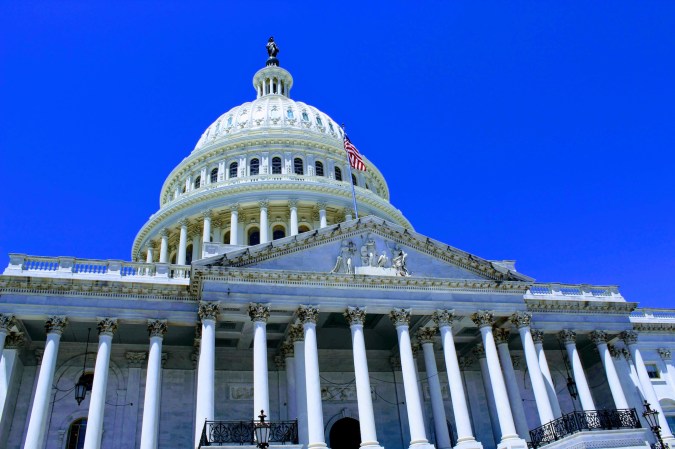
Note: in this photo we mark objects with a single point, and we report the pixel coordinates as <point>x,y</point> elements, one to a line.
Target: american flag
<point>354,156</point>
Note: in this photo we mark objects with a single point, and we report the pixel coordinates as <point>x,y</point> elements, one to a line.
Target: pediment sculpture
<point>364,259</point>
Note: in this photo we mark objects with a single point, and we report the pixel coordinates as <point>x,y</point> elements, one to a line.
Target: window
<point>276,165</point>
<point>670,419</point>
<point>233,169</point>
<point>354,180</point>
<point>198,182</point>
<point>278,232</point>
<point>298,167</point>
<point>226,238</point>
<point>338,174</point>
<point>289,113</point>
<point>319,168</point>
<point>303,228</point>
<point>330,125</point>
<point>182,189</point>
<point>188,255</point>
<point>305,117</point>
<point>76,433</point>
<point>255,167</point>
<point>229,121</point>
<point>253,236</point>
<point>214,175</point>
<point>318,121</point>
<point>652,371</point>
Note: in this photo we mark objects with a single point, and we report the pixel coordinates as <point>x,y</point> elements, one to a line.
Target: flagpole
<point>349,167</point>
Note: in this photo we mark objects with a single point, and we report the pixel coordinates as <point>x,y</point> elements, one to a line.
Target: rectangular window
<point>652,371</point>
<point>671,422</point>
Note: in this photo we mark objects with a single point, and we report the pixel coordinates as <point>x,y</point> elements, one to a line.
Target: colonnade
<point>304,386</point>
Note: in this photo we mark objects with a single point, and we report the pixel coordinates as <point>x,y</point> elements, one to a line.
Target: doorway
<point>345,434</point>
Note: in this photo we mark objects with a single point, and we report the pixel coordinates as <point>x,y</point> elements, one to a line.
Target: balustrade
<point>223,433</point>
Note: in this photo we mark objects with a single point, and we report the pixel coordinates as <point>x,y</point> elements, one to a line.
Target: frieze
<point>342,393</point>
<point>136,359</point>
<point>654,327</point>
<point>241,392</point>
<point>576,306</point>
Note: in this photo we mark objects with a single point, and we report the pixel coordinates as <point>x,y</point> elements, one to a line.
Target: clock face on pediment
<point>365,247</point>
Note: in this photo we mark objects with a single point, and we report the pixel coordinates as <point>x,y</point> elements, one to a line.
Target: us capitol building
<point>256,287</point>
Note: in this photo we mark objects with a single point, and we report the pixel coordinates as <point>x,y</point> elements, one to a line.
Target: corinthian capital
<point>287,350</point>
<point>297,333</point>
<point>598,337</point>
<point>567,336</point>
<point>156,328</point>
<point>400,317</point>
<point>537,335</point>
<point>6,321</point>
<point>56,324</point>
<point>14,341</point>
<point>426,334</point>
<point>136,359</point>
<point>501,336</point>
<point>665,353</point>
<point>107,326</point>
<point>479,351</point>
<point>629,337</point>
<point>521,319</point>
<point>292,203</point>
<point>208,311</point>
<point>308,314</point>
<point>264,204</point>
<point>443,317</point>
<point>259,312</point>
<point>355,315</point>
<point>483,318</point>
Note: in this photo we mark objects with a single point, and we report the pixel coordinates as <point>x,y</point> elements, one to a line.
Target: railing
<point>222,433</point>
<point>23,265</point>
<point>585,420</point>
<point>576,291</point>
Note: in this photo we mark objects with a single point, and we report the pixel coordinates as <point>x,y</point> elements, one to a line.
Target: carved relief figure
<point>382,260</point>
<point>399,261</point>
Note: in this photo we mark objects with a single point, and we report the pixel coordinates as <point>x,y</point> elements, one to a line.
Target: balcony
<point>240,433</point>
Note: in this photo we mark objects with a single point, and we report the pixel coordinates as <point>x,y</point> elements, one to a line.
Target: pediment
<point>366,246</point>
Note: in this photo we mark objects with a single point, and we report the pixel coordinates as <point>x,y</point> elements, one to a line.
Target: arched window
<point>318,121</point>
<point>226,238</point>
<point>305,117</point>
<point>188,255</point>
<point>182,189</point>
<point>303,228</point>
<point>76,433</point>
<point>354,180</point>
<point>214,175</point>
<point>229,121</point>
<point>233,169</point>
<point>253,236</point>
<point>319,168</point>
<point>298,167</point>
<point>276,165</point>
<point>278,232</point>
<point>198,182</point>
<point>338,174</point>
<point>255,167</point>
<point>289,113</point>
<point>330,125</point>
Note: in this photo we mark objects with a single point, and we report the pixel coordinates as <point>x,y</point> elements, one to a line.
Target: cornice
<point>654,327</point>
<point>580,307</point>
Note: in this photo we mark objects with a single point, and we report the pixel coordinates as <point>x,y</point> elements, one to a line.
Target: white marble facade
<point>255,286</point>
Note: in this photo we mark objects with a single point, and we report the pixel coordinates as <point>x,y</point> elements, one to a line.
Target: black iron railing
<point>219,433</point>
<point>585,420</point>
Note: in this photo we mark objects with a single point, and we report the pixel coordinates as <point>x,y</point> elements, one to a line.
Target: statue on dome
<point>272,51</point>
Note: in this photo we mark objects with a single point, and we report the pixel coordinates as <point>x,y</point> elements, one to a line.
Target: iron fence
<point>219,433</point>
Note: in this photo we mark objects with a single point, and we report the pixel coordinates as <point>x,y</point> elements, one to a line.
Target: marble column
<point>479,352</point>
<point>205,407</point>
<point>356,317</point>
<point>206,230</point>
<point>630,338</point>
<point>291,400</point>
<point>37,424</point>
<point>264,225</point>
<point>569,338</point>
<point>297,335</point>
<point>465,438</point>
<point>426,336</point>
<point>600,340</point>
<point>149,253</point>
<point>9,369</point>
<point>164,246</point>
<point>150,423</point>
<point>234,224</point>
<point>538,338</point>
<point>522,321</point>
<point>509,438</point>
<point>196,250</point>
<point>216,230</point>
<point>106,329</point>
<point>182,242</point>
<point>308,316</point>
<point>259,314</point>
<point>135,362</point>
<point>515,399</point>
<point>293,206</point>
<point>7,321</point>
<point>323,222</point>
<point>418,436</point>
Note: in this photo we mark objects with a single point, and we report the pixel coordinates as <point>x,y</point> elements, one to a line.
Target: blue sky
<point>535,131</point>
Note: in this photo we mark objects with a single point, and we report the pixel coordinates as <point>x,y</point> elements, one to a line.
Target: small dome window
<point>330,125</point>
<point>276,165</point>
<point>289,113</point>
<point>303,228</point>
<point>233,169</point>
<point>318,121</point>
<point>298,167</point>
<point>253,236</point>
<point>305,117</point>
<point>318,168</point>
<point>182,189</point>
<point>214,175</point>
<point>198,182</point>
<point>255,167</point>
<point>338,174</point>
<point>208,131</point>
<point>217,128</point>
<point>278,232</point>
<point>354,180</point>
<point>229,121</point>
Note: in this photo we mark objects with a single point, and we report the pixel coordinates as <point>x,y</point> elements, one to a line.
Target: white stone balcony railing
<point>581,292</point>
<point>653,315</point>
<point>70,267</point>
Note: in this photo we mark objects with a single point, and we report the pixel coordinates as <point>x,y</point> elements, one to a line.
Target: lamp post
<point>262,431</point>
<point>83,384</point>
<point>652,417</point>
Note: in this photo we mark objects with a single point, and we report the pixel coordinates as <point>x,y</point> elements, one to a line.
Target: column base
<point>512,443</point>
<point>369,445</point>
<point>425,445</point>
<point>469,444</point>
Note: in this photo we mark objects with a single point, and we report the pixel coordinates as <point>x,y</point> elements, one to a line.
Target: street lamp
<point>262,431</point>
<point>652,417</point>
<point>84,382</point>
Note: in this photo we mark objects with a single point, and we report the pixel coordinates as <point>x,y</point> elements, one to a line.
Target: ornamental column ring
<point>259,312</point>
<point>355,315</point>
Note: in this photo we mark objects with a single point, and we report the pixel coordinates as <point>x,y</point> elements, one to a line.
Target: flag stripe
<point>354,156</point>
